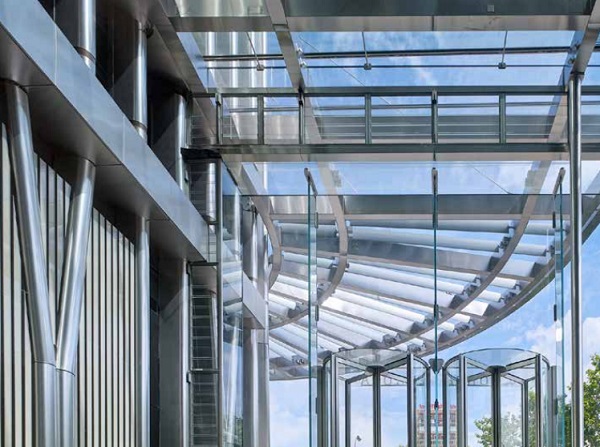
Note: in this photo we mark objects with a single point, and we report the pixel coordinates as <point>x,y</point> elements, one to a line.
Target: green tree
<point>511,429</point>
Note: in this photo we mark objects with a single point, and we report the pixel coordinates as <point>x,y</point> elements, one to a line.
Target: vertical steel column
<point>250,364</point>
<point>184,327</point>
<point>539,402</point>
<point>334,402</point>
<point>428,408</point>
<point>301,118</point>
<point>219,252</point>
<point>377,408</point>
<point>576,241</point>
<point>71,298</point>
<point>368,119</point>
<point>142,326</point>
<point>139,117</point>
<point>181,140</point>
<point>34,262</point>
<point>348,411</point>
<point>86,32</point>
<point>260,118</point>
<point>462,402</point>
<point>502,118</point>
<point>411,407</point>
<point>496,407</point>
<point>525,414</point>
<point>445,408</point>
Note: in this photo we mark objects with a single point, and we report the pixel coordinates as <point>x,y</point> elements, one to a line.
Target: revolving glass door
<point>377,398</point>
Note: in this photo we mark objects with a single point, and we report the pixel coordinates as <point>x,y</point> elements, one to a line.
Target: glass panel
<point>450,414</point>
<point>511,411</point>
<point>394,407</point>
<point>313,346</point>
<point>281,119</point>
<point>559,240</point>
<point>472,118</point>
<point>479,406</point>
<point>360,415</point>
<point>421,405</point>
<point>335,119</point>
<point>399,119</point>
<point>231,259</point>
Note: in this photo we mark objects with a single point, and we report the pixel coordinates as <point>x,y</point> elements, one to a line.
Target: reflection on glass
<point>559,238</point>
<point>231,259</point>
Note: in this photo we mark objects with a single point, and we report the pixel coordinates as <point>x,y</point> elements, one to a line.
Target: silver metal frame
<point>576,237</point>
<point>142,326</point>
<point>71,299</point>
<point>34,261</point>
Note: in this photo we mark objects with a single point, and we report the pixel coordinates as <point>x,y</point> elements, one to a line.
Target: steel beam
<point>18,125</point>
<point>71,298</point>
<point>576,237</point>
<point>142,328</point>
<point>401,152</point>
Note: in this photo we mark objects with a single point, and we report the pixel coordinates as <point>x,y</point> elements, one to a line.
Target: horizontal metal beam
<point>240,153</point>
<point>417,90</point>
<point>373,208</point>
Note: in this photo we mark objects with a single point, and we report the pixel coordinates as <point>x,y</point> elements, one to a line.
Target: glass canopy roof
<point>474,89</point>
<point>250,59</point>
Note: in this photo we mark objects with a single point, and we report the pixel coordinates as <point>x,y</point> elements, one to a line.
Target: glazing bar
<point>576,241</point>
<point>34,262</point>
<point>446,408</point>
<point>142,306</point>
<point>71,298</point>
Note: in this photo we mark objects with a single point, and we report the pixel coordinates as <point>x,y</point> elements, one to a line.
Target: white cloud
<point>543,340</point>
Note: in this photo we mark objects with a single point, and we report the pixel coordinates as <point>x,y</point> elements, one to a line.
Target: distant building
<point>437,426</point>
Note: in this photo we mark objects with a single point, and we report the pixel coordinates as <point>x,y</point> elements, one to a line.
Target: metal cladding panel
<point>105,357</point>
